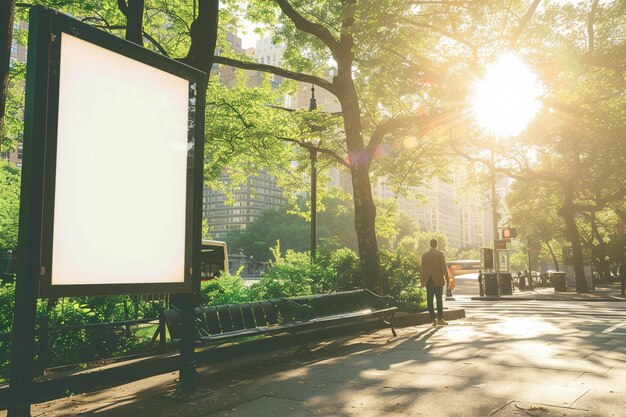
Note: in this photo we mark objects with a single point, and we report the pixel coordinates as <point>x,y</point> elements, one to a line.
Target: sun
<point>506,100</point>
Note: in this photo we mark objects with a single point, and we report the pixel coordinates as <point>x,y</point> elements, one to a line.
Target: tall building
<point>260,193</point>
<point>226,73</point>
<point>463,217</point>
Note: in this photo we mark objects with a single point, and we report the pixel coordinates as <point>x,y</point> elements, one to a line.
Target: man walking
<point>434,277</point>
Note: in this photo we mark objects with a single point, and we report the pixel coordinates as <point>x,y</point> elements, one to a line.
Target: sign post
<point>112,175</point>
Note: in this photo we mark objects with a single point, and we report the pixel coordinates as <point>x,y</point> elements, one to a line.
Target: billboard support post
<point>29,250</point>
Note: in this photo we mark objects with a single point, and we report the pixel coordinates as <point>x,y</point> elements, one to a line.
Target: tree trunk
<point>364,208</point>
<point>134,21</point>
<point>601,250</point>
<point>556,263</point>
<point>364,223</point>
<point>7,14</point>
<point>567,213</point>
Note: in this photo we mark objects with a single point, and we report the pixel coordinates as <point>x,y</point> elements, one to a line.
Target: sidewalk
<point>602,292</point>
<point>478,367</point>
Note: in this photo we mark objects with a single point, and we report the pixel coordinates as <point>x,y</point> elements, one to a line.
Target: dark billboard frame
<point>40,151</point>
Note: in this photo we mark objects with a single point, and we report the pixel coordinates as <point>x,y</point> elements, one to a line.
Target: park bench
<point>296,316</point>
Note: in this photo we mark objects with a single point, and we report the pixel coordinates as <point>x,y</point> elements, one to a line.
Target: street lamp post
<point>494,213</point>
<point>313,157</point>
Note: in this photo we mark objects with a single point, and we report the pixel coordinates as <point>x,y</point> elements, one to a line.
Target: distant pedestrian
<point>434,277</point>
<point>622,275</point>
<point>481,290</point>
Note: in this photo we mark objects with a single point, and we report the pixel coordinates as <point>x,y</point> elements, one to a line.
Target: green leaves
<point>10,179</point>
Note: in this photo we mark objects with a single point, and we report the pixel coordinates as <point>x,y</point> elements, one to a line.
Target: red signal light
<point>509,233</point>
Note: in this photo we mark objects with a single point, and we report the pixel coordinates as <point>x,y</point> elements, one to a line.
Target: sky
<point>249,39</point>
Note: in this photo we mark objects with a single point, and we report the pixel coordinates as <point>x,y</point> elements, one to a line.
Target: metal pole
<point>494,213</point>
<point>530,274</point>
<point>313,155</point>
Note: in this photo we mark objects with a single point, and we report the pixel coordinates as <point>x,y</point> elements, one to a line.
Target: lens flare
<point>506,100</point>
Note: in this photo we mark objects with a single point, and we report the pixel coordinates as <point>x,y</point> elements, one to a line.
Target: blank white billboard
<point>121,170</point>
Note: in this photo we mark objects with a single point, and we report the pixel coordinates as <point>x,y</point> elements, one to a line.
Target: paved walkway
<point>477,366</point>
<point>602,292</point>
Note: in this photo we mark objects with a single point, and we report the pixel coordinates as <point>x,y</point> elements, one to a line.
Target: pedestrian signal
<point>509,233</point>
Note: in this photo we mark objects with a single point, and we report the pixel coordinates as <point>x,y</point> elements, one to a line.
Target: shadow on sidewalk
<point>369,371</point>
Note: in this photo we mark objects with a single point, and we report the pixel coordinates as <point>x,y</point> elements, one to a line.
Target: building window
<point>14,46</point>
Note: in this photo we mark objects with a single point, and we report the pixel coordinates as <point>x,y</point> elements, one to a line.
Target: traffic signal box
<point>509,233</point>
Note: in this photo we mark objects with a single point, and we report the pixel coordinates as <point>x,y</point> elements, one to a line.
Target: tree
<point>386,95</point>
<point>535,215</point>
<point>575,148</point>
<point>9,204</point>
<point>7,12</point>
<point>256,240</point>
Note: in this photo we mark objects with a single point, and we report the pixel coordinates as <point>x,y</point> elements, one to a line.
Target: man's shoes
<point>434,322</point>
<point>442,322</point>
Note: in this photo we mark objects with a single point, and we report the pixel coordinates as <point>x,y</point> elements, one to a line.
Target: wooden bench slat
<point>248,316</point>
<point>283,315</point>
<point>212,320</point>
<point>226,322</point>
<point>236,316</point>
<point>259,314</point>
<point>271,312</point>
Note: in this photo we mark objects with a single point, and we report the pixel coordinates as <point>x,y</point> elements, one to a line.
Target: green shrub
<point>7,296</point>
<point>78,345</point>
<point>67,346</point>
<point>225,289</point>
<point>287,276</point>
<point>342,271</point>
<point>402,270</point>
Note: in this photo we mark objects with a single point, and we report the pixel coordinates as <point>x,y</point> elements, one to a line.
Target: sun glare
<point>506,100</point>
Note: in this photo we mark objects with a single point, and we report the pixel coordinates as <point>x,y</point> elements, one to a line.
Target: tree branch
<point>423,122</point>
<point>590,22</point>
<point>121,4</point>
<point>620,213</point>
<point>526,174</point>
<point>310,146</point>
<point>255,66</point>
<point>425,67</point>
<point>156,44</point>
<point>305,25</point>
<point>452,36</point>
<point>523,23</point>
<point>442,2</point>
<point>146,35</point>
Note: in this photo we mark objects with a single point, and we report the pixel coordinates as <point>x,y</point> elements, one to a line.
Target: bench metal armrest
<point>299,312</point>
<point>381,301</point>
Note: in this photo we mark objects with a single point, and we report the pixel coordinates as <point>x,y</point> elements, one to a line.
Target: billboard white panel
<point>121,170</point>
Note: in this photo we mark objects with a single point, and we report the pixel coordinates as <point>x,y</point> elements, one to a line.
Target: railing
<point>44,332</point>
